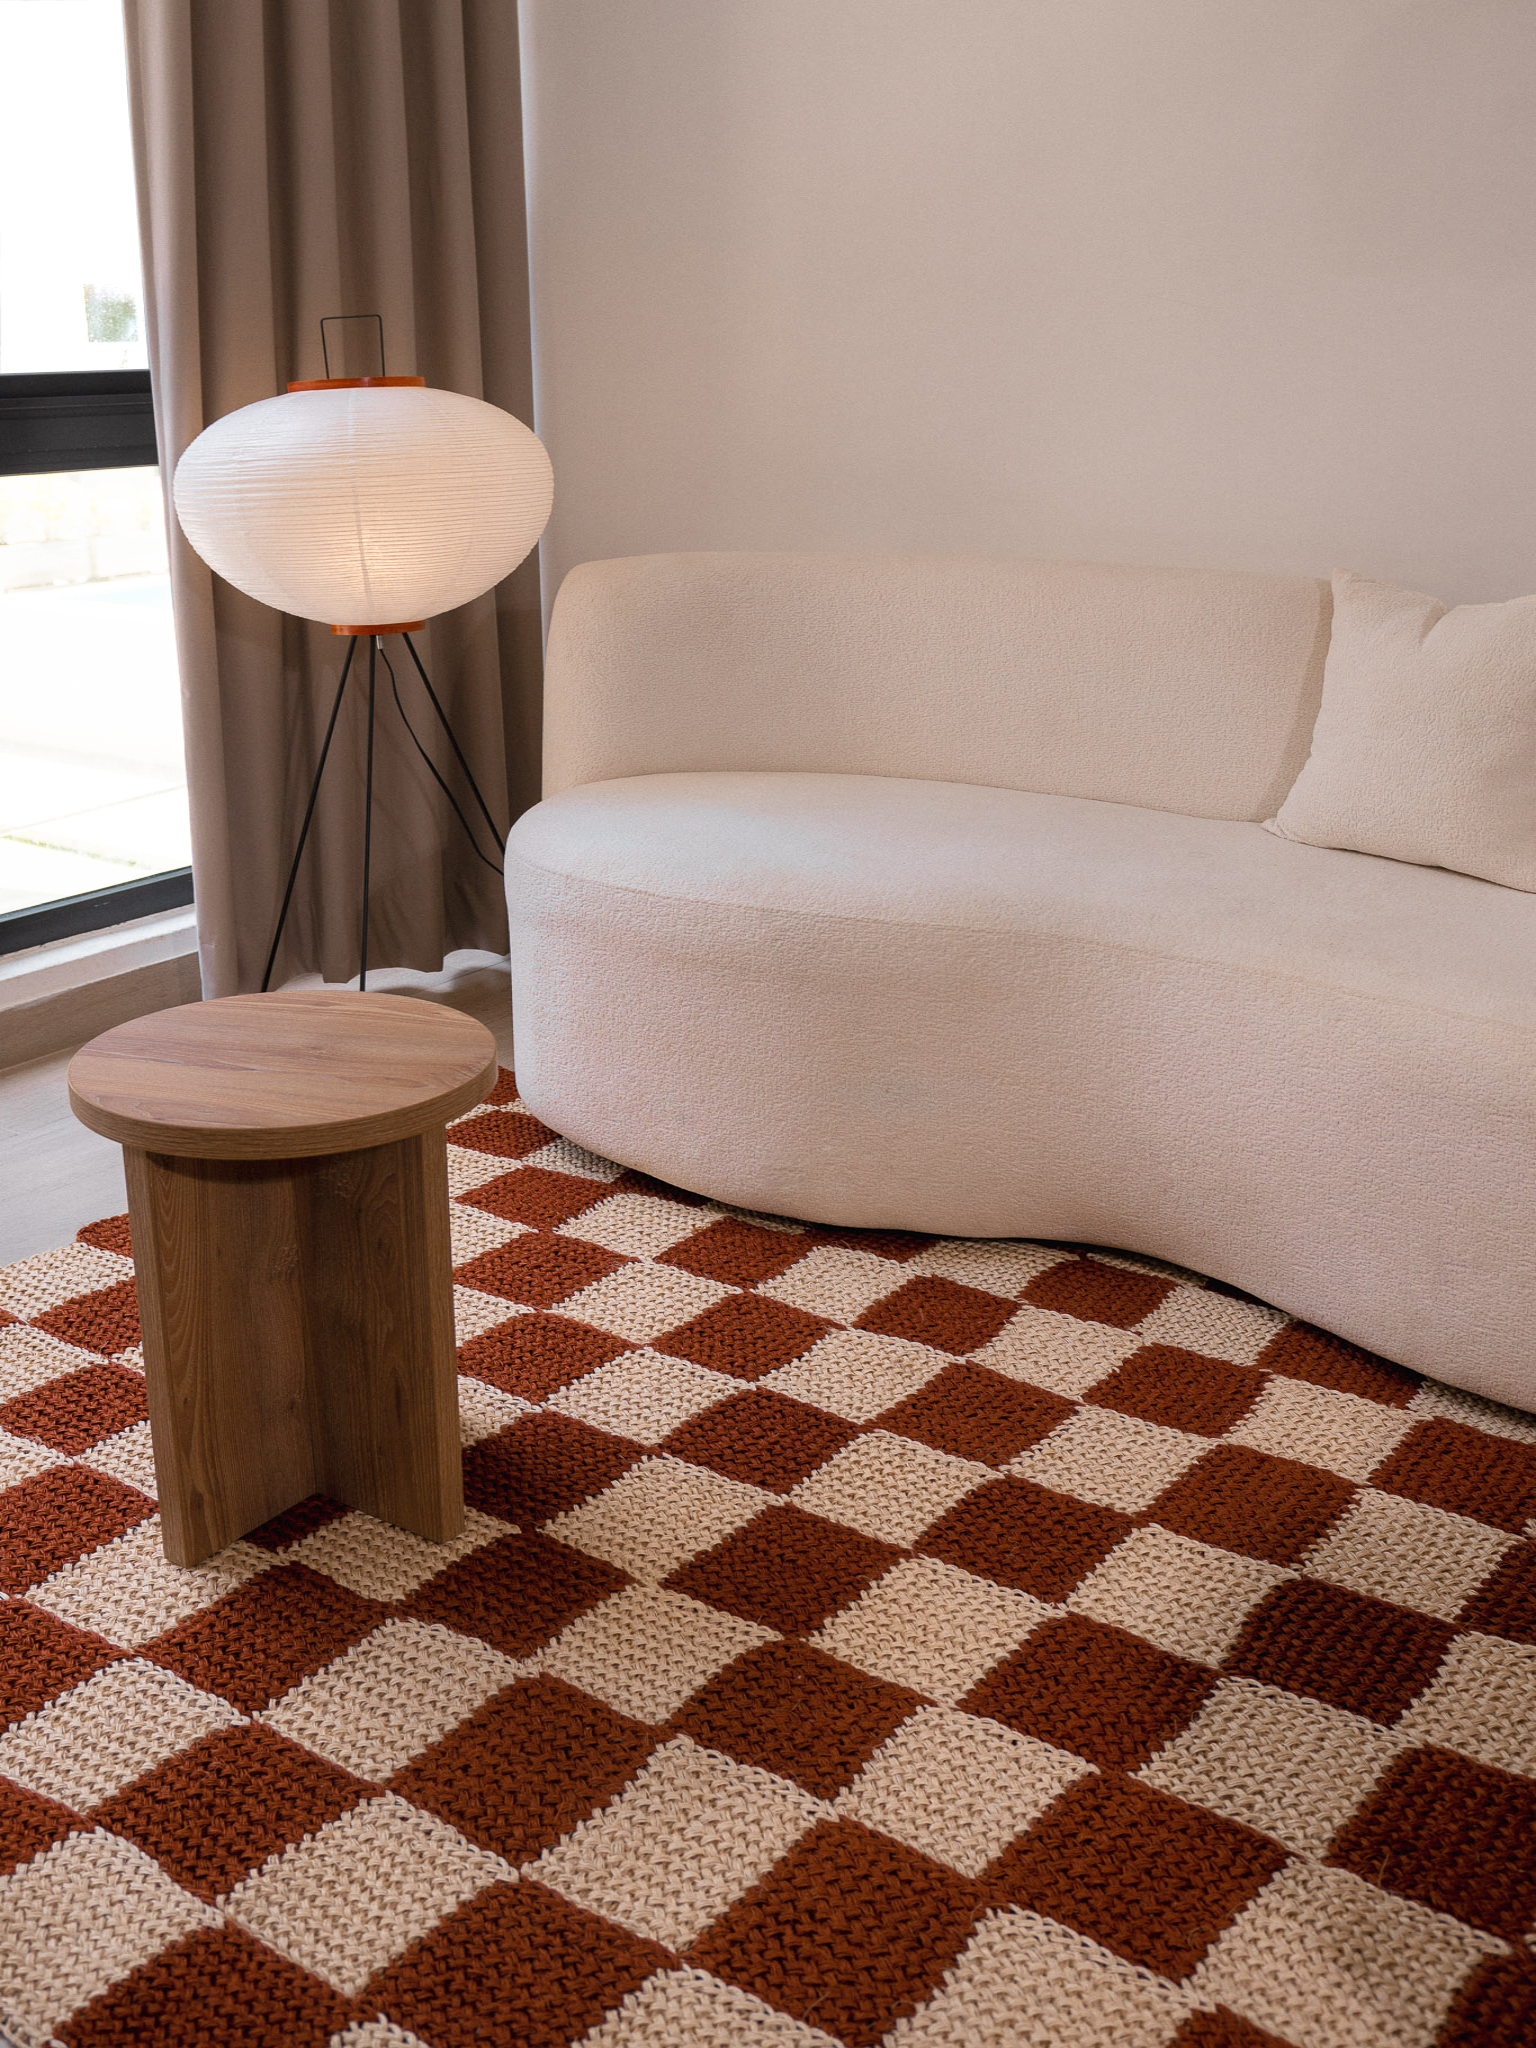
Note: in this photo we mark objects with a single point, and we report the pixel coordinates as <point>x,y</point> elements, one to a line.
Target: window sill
<point>59,995</point>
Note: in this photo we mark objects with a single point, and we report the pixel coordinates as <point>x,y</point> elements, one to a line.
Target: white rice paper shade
<point>365,506</point>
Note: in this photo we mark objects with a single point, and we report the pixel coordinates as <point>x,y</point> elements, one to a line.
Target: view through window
<point>92,776</point>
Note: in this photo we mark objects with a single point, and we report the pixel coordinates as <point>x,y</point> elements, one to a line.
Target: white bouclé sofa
<point>934,894</point>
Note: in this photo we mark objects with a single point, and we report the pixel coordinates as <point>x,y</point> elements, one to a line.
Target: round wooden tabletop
<point>282,1076</point>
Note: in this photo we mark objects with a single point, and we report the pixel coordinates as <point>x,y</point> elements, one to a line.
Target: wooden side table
<point>288,1191</point>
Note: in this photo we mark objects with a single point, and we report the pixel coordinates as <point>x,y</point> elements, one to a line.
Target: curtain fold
<point>297,158</point>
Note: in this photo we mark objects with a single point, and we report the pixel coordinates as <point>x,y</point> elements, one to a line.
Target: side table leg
<point>225,1352</point>
<point>298,1338</point>
<point>378,1292</point>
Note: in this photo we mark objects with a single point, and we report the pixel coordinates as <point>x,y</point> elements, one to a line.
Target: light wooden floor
<point>56,1175</point>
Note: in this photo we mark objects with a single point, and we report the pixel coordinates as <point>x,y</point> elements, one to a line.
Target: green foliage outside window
<point>110,314</point>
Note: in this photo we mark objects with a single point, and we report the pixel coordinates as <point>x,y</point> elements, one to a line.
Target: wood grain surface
<point>294,1073</point>
<point>215,1252</point>
<point>377,1280</point>
<point>298,1338</point>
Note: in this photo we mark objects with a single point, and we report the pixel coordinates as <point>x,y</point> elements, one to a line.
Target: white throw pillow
<point>1425,746</point>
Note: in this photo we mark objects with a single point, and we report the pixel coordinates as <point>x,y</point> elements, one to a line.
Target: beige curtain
<point>298,158</point>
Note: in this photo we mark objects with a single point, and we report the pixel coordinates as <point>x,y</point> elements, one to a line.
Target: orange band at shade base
<point>349,383</point>
<point>410,626</point>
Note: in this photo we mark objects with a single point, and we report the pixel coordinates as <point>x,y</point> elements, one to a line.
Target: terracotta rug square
<point>1455,1834</point>
<point>1027,1536</point>
<point>1505,1604</point>
<point>1258,1505</point>
<point>535,1195</point>
<point>762,1437</point>
<point>220,1987</point>
<point>42,1658</point>
<point>515,1964</point>
<point>786,1569</point>
<point>738,1253</point>
<point>211,1814</point>
<point>538,1270</point>
<point>1304,1353</point>
<point>978,1414</point>
<point>527,1766</point>
<point>1184,1389</point>
<point>1148,1876</point>
<point>60,1515</point>
<point>1447,1465</point>
<point>79,1409</point>
<point>1101,1692</point>
<point>535,1355</point>
<point>107,1321</point>
<point>29,1824</point>
<point>1098,1292</point>
<point>799,1713</point>
<point>546,1465</point>
<point>1368,1656</point>
<point>851,1930</point>
<point>504,1133</point>
<point>516,1593</point>
<point>253,1644</point>
<point>747,1335</point>
<point>944,1313</point>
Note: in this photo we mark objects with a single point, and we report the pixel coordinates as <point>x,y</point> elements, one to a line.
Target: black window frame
<point>76,419</point>
<point>52,421</point>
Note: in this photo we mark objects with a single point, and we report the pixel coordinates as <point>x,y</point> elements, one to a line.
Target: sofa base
<point>1355,1158</point>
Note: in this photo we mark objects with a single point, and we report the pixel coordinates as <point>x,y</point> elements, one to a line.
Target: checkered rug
<point>856,1638</point>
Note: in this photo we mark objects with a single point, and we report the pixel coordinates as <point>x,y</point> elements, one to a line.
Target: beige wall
<point>1243,282</point>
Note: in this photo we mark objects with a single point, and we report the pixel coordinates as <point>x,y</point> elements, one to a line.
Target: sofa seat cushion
<point>954,855</point>
<point>981,1012</point>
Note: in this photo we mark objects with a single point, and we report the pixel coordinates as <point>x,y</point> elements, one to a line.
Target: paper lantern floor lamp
<point>370,504</point>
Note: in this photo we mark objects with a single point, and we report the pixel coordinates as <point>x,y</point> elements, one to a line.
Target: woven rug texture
<point>857,1637</point>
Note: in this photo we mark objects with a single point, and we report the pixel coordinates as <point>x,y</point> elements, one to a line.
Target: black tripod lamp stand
<point>376,654</point>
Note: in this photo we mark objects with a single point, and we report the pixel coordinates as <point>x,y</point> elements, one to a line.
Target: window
<point>93,802</point>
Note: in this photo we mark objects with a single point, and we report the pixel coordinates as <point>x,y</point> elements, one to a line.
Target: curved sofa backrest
<point>1179,689</point>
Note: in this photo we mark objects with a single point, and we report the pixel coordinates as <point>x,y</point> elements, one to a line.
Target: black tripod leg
<point>442,719</point>
<point>362,974</point>
<point>432,768</point>
<point>309,812</point>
